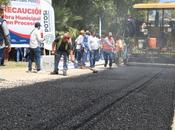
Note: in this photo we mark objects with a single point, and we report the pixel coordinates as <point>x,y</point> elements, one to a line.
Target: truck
<point>21,15</point>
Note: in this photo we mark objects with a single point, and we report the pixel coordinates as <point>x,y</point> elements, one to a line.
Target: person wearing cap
<point>79,43</point>
<point>86,45</point>
<point>108,46</point>
<point>94,42</point>
<point>119,48</point>
<point>36,39</point>
<point>5,41</point>
<point>61,47</point>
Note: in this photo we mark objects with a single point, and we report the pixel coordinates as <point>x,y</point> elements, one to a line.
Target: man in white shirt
<point>86,52</point>
<point>80,48</point>
<point>36,38</point>
<point>94,49</point>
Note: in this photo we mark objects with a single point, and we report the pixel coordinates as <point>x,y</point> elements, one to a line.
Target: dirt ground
<point>16,74</point>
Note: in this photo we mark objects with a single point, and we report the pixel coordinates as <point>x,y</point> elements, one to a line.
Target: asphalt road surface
<point>124,98</point>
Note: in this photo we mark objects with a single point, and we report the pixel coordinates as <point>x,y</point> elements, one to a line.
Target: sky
<point>167,0</point>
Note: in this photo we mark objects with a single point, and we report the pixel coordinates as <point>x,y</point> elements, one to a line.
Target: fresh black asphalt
<point>123,98</point>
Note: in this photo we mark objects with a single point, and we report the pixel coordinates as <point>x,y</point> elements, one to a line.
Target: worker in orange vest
<point>108,45</point>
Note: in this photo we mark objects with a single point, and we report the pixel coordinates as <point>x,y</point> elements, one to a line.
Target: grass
<point>13,64</point>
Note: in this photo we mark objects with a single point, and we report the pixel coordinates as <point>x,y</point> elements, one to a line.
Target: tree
<point>84,14</point>
<point>4,2</point>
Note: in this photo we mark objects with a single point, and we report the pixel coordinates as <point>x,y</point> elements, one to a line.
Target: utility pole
<point>100,26</point>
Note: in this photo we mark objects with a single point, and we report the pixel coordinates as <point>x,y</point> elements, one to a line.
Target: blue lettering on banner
<point>46,20</point>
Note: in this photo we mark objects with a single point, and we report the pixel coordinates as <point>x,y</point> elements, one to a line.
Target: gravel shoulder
<point>13,77</point>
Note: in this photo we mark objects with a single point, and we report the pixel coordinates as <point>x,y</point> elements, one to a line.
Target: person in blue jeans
<point>86,49</point>
<point>36,38</point>
<point>5,40</point>
<point>93,55</point>
<point>19,54</point>
<point>34,56</point>
<point>61,47</point>
<point>94,49</point>
<point>80,49</point>
<point>108,47</point>
<point>1,55</point>
<point>108,56</point>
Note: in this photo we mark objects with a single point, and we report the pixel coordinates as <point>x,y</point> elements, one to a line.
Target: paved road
<point>124,98</point>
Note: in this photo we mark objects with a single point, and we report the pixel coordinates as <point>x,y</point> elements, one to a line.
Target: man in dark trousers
<point>36,39</point>
<point>4,36</point>
<point>61,47</point>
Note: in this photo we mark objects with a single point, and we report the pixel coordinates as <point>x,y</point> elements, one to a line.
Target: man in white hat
<point>80,48</point>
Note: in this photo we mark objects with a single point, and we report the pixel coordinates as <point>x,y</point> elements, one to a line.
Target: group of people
<point>86,47</point>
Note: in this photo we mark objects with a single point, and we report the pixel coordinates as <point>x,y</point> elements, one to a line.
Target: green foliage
<point>64,18</point>
<point>73,32</point>
<point>73,15</point>
<point>4,2</point>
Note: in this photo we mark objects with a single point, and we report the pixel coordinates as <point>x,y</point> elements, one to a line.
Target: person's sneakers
<point>64,72</point>
<point>82,67</point>
<point>40,72</point>
<point>54,73</point>
<point>29,71</point>
<point>105,65</point>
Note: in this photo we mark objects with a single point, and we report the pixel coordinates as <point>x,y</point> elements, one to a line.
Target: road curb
<point>152,64</point>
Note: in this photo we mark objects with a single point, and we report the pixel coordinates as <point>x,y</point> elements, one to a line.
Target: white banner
<point>21,16</point>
